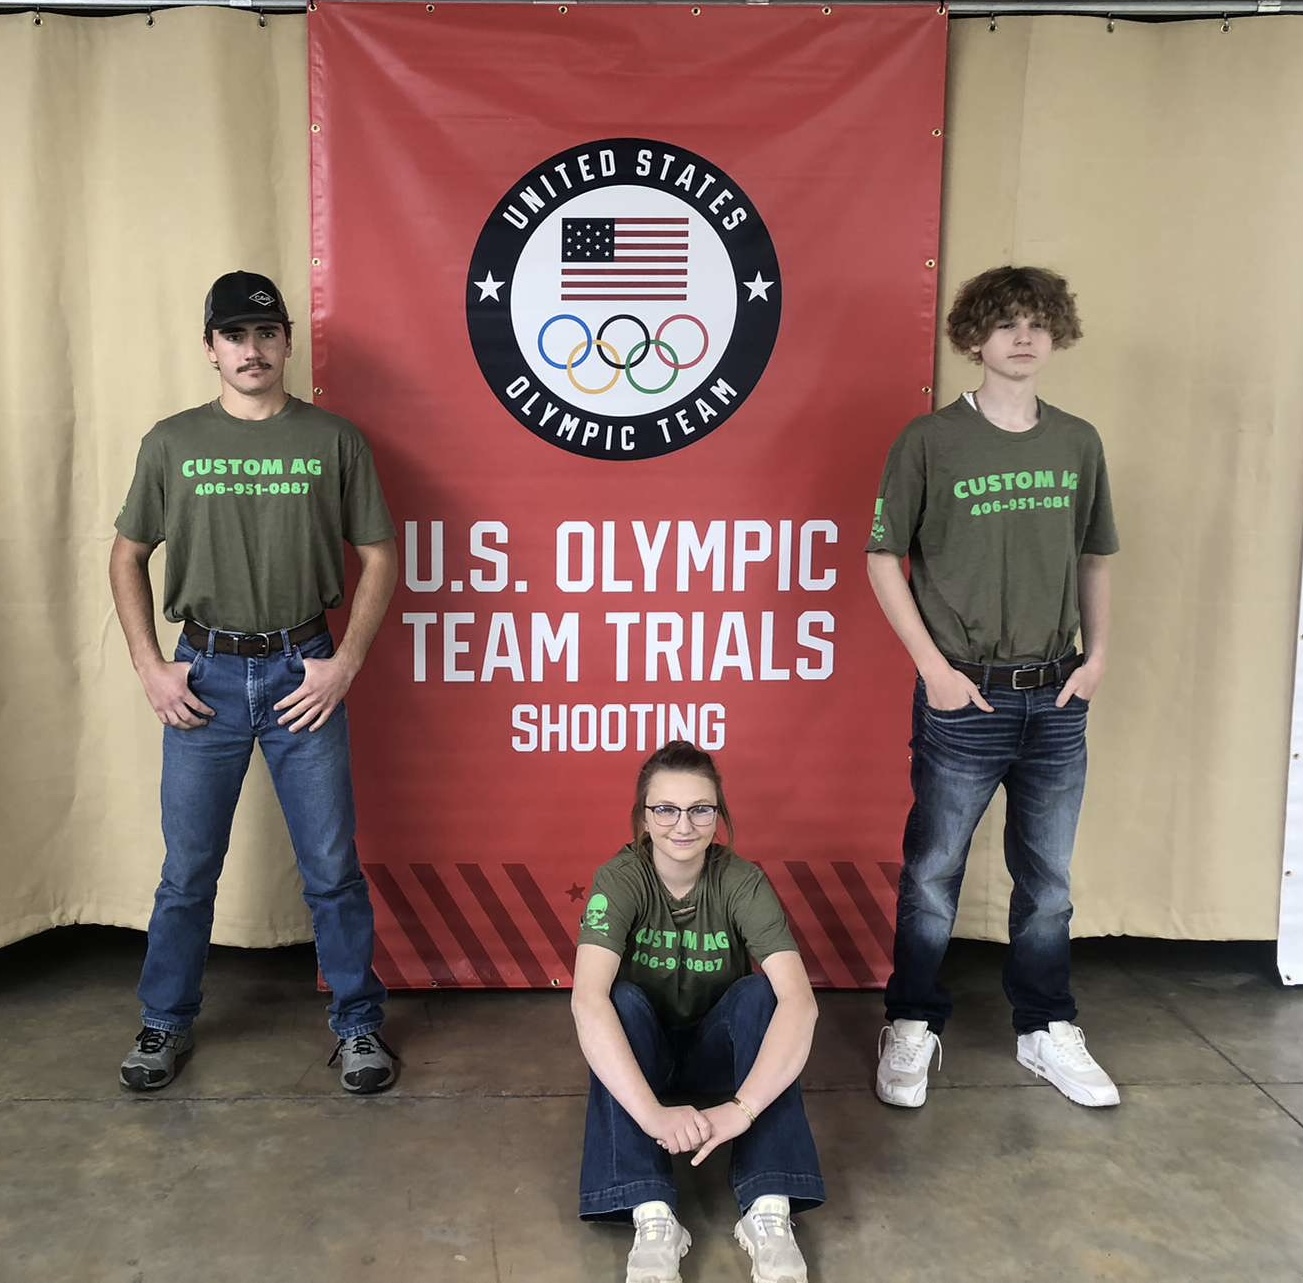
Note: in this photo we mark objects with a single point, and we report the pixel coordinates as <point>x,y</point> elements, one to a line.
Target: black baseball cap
<point>243,296</point>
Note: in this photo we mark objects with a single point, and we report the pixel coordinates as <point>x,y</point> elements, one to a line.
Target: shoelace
<point>772,1224</point>
<point>1072,1048</point>
<point>361,1045</point>
<point>655,1229</point>
<point>152,1041</point>
<point>908,1055</point>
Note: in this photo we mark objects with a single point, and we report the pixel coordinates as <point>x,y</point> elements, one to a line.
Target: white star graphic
<point>759,288</point>
<point>489,288</point>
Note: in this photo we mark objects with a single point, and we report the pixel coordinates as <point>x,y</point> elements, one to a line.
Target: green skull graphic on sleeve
<point>595,914</point>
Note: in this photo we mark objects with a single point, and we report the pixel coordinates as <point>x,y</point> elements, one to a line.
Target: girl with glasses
<point>667,1007</point>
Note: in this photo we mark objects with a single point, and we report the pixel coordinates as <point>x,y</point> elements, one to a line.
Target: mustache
<point>253,365</point>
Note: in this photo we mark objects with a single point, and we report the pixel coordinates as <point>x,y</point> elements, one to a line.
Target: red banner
<point>630,302</point>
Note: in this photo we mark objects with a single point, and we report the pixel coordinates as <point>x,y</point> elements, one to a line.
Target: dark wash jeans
<point>203,770</point>
<point>960,757</point>
<point>623,1166</point>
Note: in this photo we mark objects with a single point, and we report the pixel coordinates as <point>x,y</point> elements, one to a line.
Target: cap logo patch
<point>262,298</point>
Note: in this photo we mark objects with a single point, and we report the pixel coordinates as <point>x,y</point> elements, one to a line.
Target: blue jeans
<point>623,1166</point>
<point>960,757</point>
<point>203,770</point>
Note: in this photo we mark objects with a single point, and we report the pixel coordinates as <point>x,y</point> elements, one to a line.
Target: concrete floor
<point>252,1167</point>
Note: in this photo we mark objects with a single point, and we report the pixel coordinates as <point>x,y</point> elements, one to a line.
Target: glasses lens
<point>665,814</point>
<point>701,815</point>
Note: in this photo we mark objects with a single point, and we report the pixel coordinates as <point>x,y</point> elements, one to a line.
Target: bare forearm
<point>375,588</point>
<point>783,1053</point>
<point>133,599</point>
<point>606,1049</point>
<point>1094,597</point>
<point>887,576</point>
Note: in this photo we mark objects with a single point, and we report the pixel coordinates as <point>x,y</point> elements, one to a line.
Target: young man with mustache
<point>255,495</point>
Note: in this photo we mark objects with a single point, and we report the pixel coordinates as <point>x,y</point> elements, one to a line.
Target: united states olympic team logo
<point>623,299</point>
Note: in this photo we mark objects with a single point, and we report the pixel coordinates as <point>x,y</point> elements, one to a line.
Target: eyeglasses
<point>699,816</point>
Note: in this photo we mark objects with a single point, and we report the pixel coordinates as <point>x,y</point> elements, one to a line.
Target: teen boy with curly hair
<point>1001,503</point>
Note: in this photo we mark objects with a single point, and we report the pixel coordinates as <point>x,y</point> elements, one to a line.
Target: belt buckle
<point>1037,670</point>
<point>261,640</point>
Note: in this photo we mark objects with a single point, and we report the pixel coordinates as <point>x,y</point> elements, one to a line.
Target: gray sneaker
<point>153,1062</point>
<point>366,1064</point>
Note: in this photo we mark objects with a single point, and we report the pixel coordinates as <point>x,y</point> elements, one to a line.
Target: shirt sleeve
<point>1101,536</point>
<point>901,496</point>
<point>365,514</point>
<point>761,922</point>
<point>611,911</point>
<point>142,515</point>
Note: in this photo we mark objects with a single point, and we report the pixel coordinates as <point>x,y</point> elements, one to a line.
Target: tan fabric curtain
<point>138,164</point>
<point>1160,167</point>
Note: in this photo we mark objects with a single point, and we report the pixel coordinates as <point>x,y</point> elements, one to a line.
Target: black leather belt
<point>1020,677</point>
<point>251,645</point>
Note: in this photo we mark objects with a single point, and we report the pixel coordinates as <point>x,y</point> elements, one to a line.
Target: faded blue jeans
<point>203,770</point>
<point>960,757</point>
<point>623,1166</point>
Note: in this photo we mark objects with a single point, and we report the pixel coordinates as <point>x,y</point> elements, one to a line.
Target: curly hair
<point>677,755</point>
<point>1003,293</point>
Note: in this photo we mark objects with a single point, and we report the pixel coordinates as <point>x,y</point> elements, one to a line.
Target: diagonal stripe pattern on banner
<point>867,903</point>
<point>482,889</point>
<point>412,926</point>
<point>824,913</point>
<point>532,894</point>
<point>824,966</point>
<point>464,933</point>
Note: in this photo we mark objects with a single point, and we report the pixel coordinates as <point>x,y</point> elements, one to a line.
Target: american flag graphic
<point>624,260</point>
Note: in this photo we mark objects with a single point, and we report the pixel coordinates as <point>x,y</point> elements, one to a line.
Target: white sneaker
<point>905,1051</point>
<point>1058,1054</point>
<point>765,1234</point>
<point>659,1244</point>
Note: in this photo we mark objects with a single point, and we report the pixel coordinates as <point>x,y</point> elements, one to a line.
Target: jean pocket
<point>320,647</point>
<point>951,714</point>
<point>186,654</point>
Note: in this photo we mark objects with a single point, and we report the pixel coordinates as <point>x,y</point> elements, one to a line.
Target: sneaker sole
<point>369,1091</point>
<point>745,1244</point>
<point>902,1100</point>
<point>158,1086</point>
<point>1070,1090</point>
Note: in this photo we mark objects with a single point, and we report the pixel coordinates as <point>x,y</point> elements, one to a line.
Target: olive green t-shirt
<point>685,953</point>
<point>254,514</point>
<point>993,523</point>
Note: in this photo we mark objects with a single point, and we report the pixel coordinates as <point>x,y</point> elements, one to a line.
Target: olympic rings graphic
<point>646,340</point>
<point>705,338</point>
<point>609,355</point>
<point>674,365</point>
<point>588,340</point>
<point>570,368</point>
